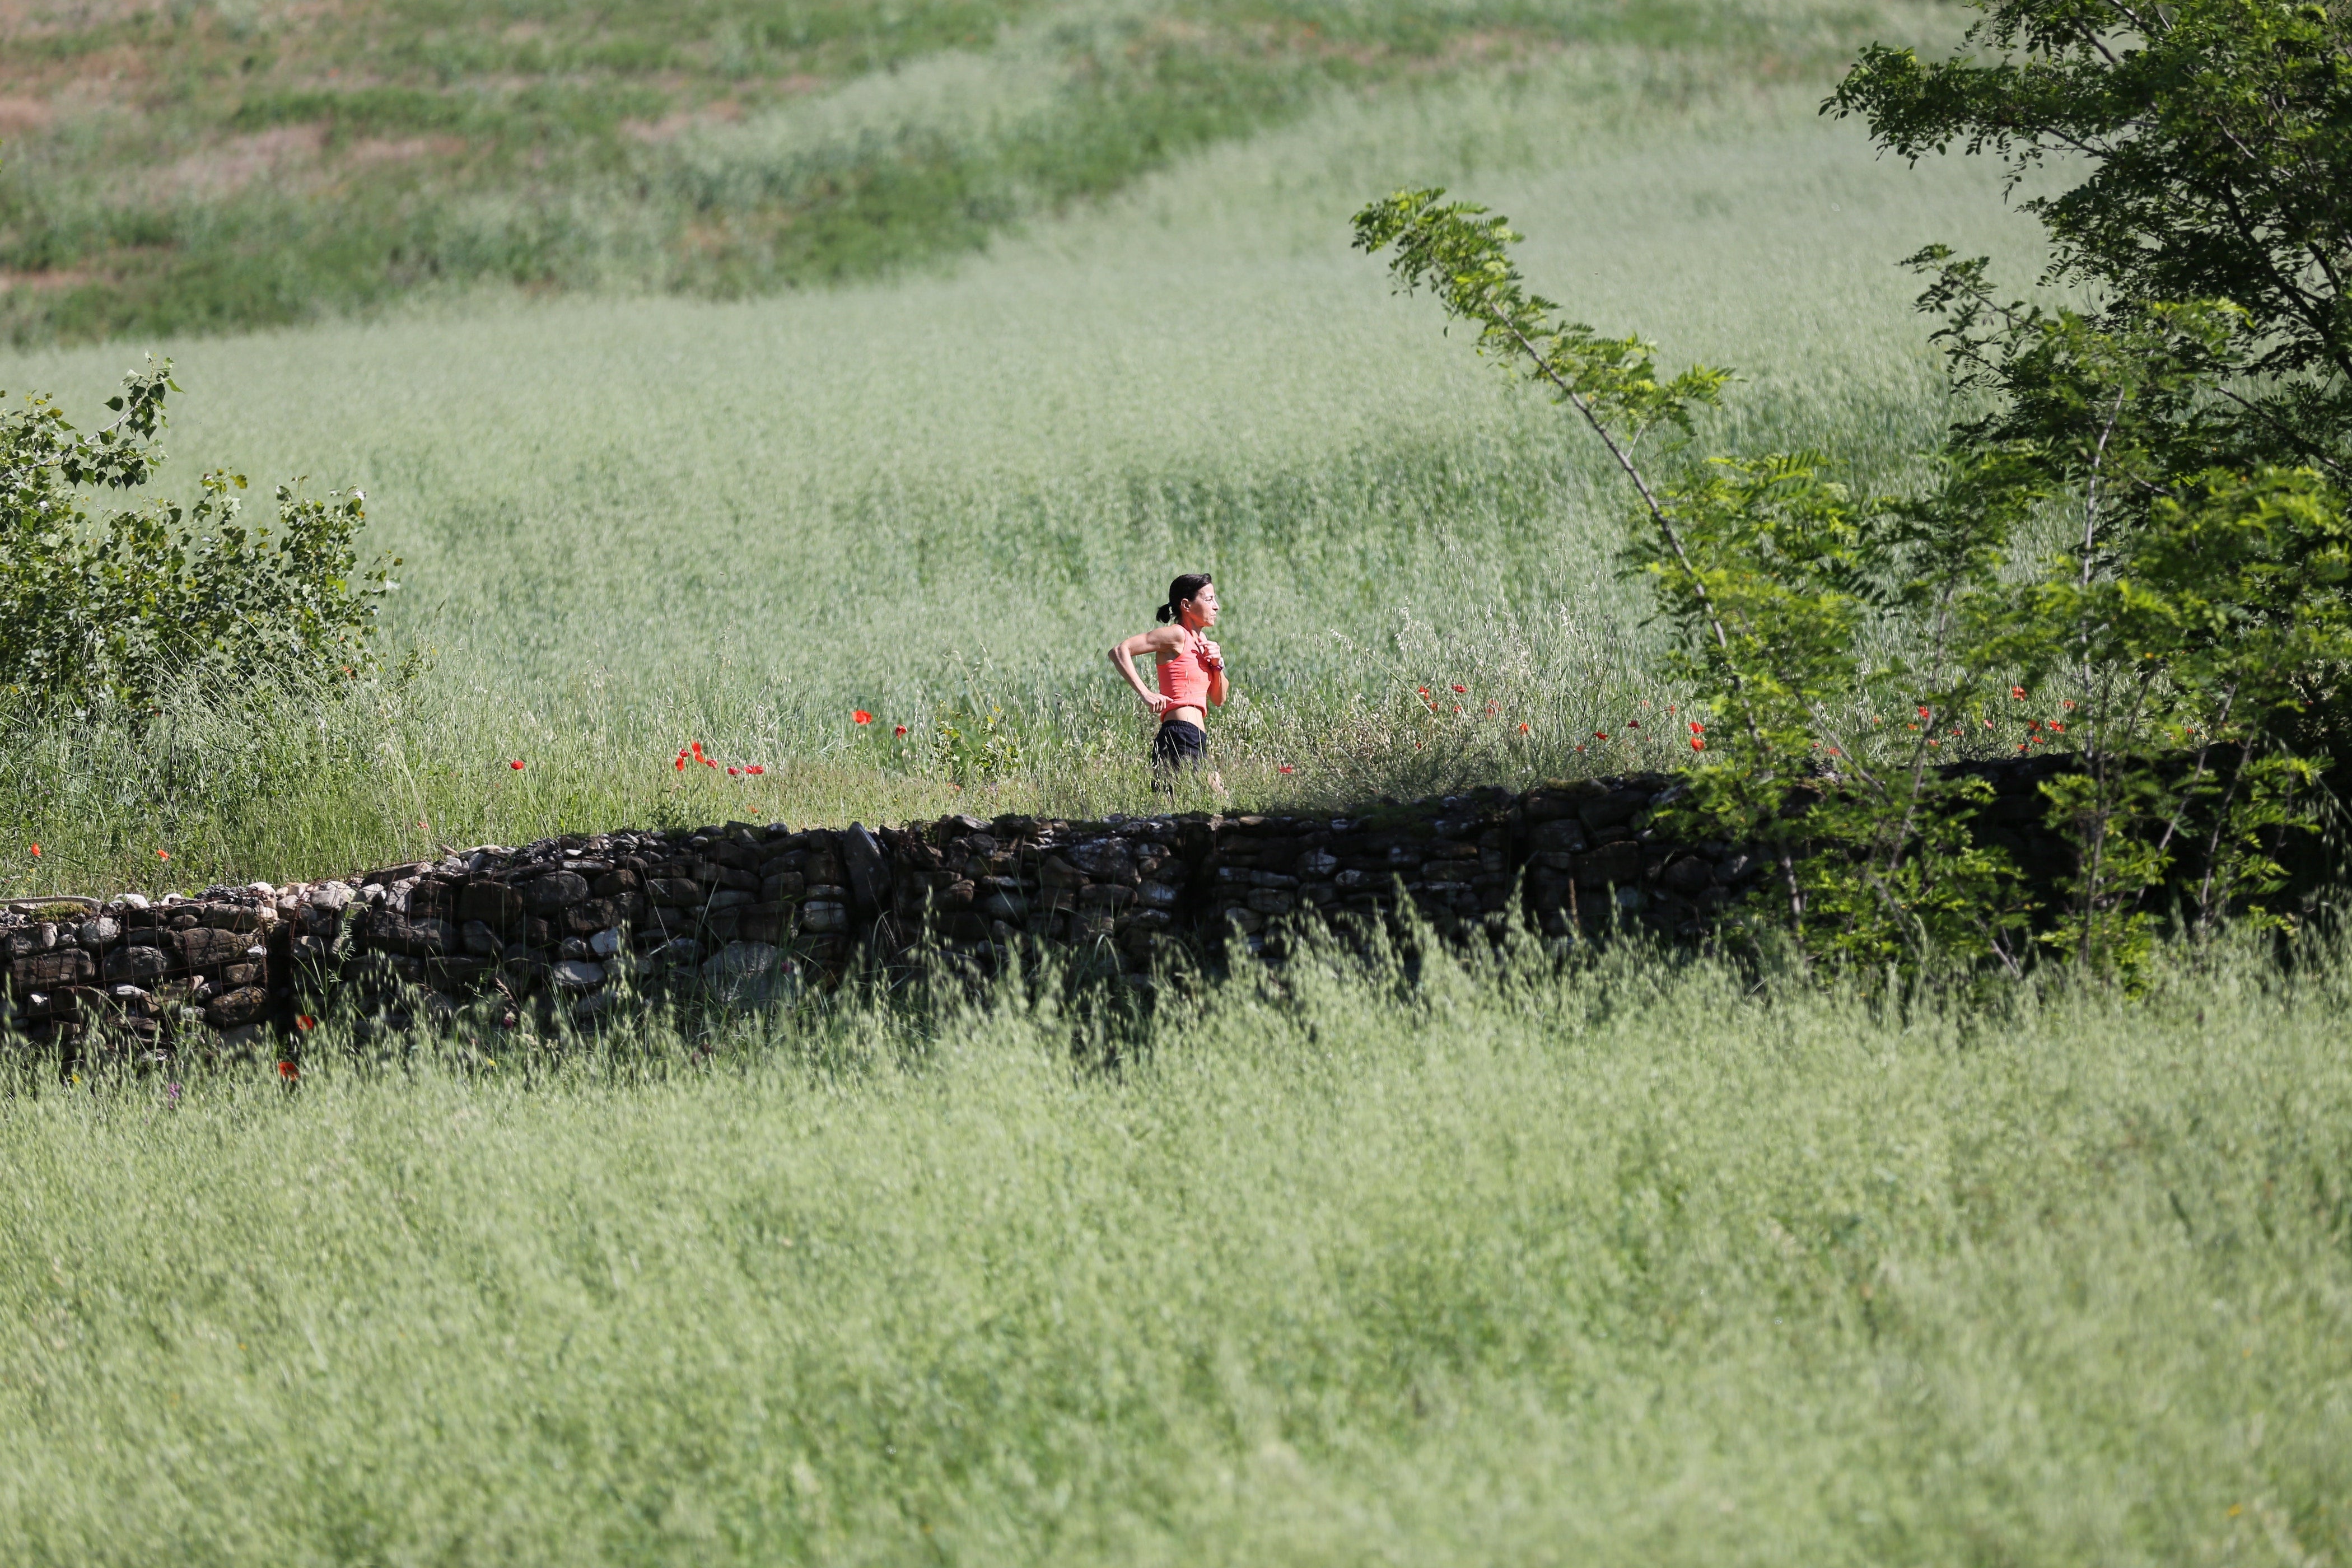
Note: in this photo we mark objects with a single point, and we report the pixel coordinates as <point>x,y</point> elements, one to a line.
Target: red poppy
<point>861,717</point>
<point>2033,724</point>
<point>2017,693</point>
<point>2069,704</point>
<point>1493,708</point>
<point>899,730</point>
<point>36,851</point>
<point>289,1071</point>
<point>304,1021</point>
<point>1422,690</point>
<point>734,773</point>
<point>755,770</point>
<point>1285,768</point>
<point>1697,744</point>
<point>516,764</point>
<point>1599,734</point>
<point>162,854</point>
<point>2060,728</point>
<point>1923,713</point>
<point>1933,742</point>
<point>681,762</point>
<point>1523,728</point>
<point>1632,723</point>
<point>1697,728</point>
<point>697,749</point>
<point>1463,690</point>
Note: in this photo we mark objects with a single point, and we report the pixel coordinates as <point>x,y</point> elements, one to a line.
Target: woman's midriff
<point>1196,717</point>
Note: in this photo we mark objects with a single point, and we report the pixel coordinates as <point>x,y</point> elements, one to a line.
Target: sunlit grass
<point>631,525</point>
<point>1628,1263</point>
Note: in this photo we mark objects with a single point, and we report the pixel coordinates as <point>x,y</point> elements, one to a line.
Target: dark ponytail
<point>1185,587</point>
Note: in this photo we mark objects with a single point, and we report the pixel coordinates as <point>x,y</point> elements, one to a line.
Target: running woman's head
<point>1192,601</point>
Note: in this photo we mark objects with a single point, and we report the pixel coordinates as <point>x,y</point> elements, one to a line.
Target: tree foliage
<point>116,610</point>
<point>2213,139</point>
<point>2135,553</point>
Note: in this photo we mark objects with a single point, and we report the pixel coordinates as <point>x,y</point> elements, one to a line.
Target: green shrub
<point>112,610</point>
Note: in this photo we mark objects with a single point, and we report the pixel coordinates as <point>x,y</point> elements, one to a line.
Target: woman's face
<point>1202,607</point>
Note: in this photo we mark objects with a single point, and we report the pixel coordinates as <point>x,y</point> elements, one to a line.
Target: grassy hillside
<point>189,166</point>
<point>633,524</point>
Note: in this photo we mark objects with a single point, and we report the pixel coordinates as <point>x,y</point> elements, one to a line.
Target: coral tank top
<point>1184,678</point>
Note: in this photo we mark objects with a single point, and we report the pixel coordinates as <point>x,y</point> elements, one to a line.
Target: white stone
<point>134,901</point>
<point>607,942</point>
<point>577,974</point>
<point>335,896</point>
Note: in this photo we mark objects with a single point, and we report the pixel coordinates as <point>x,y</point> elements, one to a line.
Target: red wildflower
<point>162,854</point>
<point>1463,690</point>
<point>1933,742</point>
<point>289,1071</point>
<point>304,1021</point>
<point>1424,690</point>
<point>734,773</point>
<point>698,751</point>
<point>1285,768</point>
<point>2033,724</point>
<point>1523,728</point>
<point>516,764</point>
<point>2017,693</point>
<point>36,851</point>
<point>2069,703</point>
<point>1923,713</point>
<point>1599,734</point>
<point>1493,708</point>
<point>1632,723</point>
<point>2060,728</point>
<point>861,717</point>
<point>1697,744</point>
<point>681,762</point>
<point>901,730</point>
<point>1697,728</point>
<point>755,769</point>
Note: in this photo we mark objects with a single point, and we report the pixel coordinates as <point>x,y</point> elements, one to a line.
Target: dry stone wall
<point>745,914</point>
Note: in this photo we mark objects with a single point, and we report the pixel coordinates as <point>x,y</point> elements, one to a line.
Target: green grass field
<point>1630,1261</point>
<point>633,524</point>
<point>1623,1266</point>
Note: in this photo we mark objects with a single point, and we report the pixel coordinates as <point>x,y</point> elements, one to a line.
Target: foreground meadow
<point>1624,1263</point>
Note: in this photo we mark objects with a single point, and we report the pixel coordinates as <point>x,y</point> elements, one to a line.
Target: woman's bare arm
<point>1123,655</point>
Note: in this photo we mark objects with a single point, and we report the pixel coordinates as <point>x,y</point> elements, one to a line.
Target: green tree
<point>117,609</point>
<point>2212,140</point>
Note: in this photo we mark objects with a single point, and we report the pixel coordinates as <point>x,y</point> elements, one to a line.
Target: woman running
<point>1191,673</point>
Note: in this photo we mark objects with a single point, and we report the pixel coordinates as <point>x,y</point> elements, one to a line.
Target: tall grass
<point>1625,1263</point>
<point>628,525</point>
